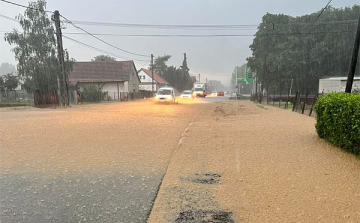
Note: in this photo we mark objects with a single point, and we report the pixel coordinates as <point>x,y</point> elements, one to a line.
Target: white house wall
<point>134,81</point>
<point>110,87</point>
<point>144,77</point>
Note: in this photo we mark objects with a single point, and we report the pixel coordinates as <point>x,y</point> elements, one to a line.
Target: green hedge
<point>338,120</point>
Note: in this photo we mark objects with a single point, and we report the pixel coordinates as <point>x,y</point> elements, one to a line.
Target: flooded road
<point>98,163</point>
<point>208,160</point>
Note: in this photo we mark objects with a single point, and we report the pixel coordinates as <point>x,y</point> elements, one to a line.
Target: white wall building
<point>117,78</point>
<point>336,84</point>
<point>145,77</point>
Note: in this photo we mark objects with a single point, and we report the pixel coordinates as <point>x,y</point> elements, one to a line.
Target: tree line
<point>303,49</point>
<point>179,77</point>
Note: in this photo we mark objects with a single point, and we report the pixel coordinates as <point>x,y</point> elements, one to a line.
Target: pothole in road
<point>205,178</point>
<point>204,216</point>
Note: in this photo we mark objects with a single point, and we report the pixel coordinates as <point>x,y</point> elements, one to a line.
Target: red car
<point>220,93</point>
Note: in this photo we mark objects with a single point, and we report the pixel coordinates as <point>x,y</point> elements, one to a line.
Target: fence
<point>16,98</point>
<point>16,95</point>
<point>124,96</point>
<point>301,103</point>
<point>117,96</point>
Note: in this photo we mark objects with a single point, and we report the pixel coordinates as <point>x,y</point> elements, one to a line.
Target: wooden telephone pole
<point>152,73</point>
<point>63,90</point>
<point>353,62</point>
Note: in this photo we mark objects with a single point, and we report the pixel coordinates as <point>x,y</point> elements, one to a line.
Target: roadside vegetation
<point>338,120</point>
<point>92,93</point>
<point>297,50</point>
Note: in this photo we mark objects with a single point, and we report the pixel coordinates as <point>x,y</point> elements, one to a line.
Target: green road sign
<point>248,76</point>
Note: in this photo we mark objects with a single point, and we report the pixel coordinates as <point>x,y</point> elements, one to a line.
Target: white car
<point>186,95</point>
<point>165,94</point>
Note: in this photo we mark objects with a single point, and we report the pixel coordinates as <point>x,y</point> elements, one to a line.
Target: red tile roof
<point>157,77</point>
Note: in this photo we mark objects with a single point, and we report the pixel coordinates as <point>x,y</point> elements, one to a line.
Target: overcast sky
<point>213,57</point>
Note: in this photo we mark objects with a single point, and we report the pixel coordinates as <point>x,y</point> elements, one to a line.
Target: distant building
<point>113,77</point>
<point>336,84</point>
<point>145,77</point>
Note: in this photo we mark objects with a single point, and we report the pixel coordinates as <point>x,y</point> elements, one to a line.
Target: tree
<point>7,68</point>
<point>2,87</point>
<point>179,78</point>
<point>185,79</point>
<point>160,65</point>
<point>101,58</point>
<point>289,48</point>
<point>11,82</point>
<point>35,49</point>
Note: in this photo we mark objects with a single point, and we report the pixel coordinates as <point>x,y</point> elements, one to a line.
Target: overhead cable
<point>100,50</point>
<point>24,6</point>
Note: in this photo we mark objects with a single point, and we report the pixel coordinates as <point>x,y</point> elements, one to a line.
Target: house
<point>117,78</point>
<point>145,77</point>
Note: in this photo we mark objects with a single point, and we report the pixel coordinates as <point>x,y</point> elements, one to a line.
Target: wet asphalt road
<point>93,163</point>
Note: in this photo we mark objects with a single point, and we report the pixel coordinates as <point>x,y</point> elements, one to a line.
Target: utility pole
<point>152,73</point>
<point>353,62</point>
<point>64,91</point>
<point>199,78</point>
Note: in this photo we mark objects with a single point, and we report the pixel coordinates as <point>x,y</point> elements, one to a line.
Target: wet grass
<point>261,106</point>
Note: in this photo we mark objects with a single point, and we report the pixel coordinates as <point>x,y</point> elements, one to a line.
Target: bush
<point>92,93</point>
<point>338,120</point>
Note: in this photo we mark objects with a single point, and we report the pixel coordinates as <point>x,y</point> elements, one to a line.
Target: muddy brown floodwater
<point>101,162</point>
<point>191,162</point>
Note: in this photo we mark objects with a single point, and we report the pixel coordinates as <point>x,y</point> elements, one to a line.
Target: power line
<point>323,9</point>
<point>142,55</point>
<point>164,35</point>
<point>100,50</point>
<point>208,35</point>
<point>24,6</point>
<point>6,17</point>
<point>201,27</point>
<point>202,35</point>
<point>160,26</point>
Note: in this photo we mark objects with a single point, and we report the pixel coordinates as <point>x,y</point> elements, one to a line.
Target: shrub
<point>92,93</point>
<point>338,120</point>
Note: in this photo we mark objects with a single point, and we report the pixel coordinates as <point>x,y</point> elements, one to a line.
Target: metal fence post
<point>303,108</point>
<point>280,98</point>
<point>287,100</point>
<point>299,101</point>
<point>274,98</point>
<point>312,106</point>
<point>295,101</point>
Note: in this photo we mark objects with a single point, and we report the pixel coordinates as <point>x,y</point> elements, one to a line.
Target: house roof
<point>157,77</point>
<point>101,71</point>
